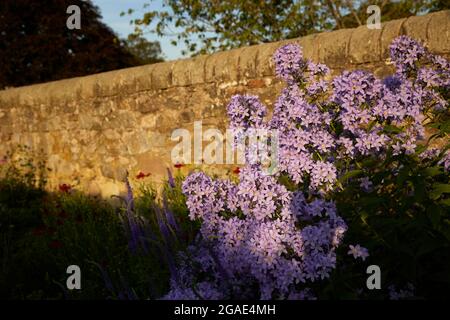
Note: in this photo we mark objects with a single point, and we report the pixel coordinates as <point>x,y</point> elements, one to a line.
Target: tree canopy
<point>208,26</point>
<point>144,51</point>
<point>36,46</point>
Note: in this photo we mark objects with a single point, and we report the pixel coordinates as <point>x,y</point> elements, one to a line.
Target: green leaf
<point>445,127</point>
<point>432,171</point>
<point>434,214</point>
<point>391,129</point>
<point>402,175</point>
<point>439,189</point>
<point>350,174</point>
<point>420,149</point>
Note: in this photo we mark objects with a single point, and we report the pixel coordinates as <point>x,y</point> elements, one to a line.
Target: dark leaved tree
<point>145,51</point>
<point>36,45</point>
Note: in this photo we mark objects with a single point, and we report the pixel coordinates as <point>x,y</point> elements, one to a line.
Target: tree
<point>145,51</point>
<point>36,46</point>
<point>225,24</point>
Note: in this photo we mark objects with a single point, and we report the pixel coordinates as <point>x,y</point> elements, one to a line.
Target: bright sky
<point>111,9</point>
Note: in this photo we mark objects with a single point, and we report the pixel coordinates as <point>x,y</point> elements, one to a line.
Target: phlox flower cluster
<point>401,294</point>
<point>358,252</point>
<point>355,115</point>
<point>267,238</point>
<point>251,239</point>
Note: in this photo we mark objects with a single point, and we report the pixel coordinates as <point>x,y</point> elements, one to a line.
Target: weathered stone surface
<point>333,46</point>
<point>247,62</point>
<point>438,32</point>
<point>109,188</point>
<point>310,46</point>
<point>390,30</point>
<point>222,66</point>
<point>365,45</point>
<point>417,28</point>
<point>264,63</point>
<point>95,129</point>
<point>162,75</point>
<point>143,76</point>
<point>189,71</point>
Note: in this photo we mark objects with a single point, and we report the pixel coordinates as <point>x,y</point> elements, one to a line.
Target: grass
<point>42,233</point>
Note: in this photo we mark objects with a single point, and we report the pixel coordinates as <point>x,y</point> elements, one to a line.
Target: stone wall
<point>94,129</point>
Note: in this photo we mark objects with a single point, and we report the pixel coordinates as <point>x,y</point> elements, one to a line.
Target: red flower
<point>179,165</point>
<point>142,175</point>
<point>64,188</point>
<point>236,170</point>
<point>55,244</point>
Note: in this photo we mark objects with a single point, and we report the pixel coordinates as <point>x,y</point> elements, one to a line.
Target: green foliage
<point>221,25</point>
<point>404,221</point>
<point>146,52</point>
<point>36,46</point>
<point>43,233</point>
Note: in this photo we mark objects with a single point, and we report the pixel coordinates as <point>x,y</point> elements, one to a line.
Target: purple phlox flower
<point>289,63</point>
<point>396,148</point>
<point>264,245</point>
<point>358,252</point>
<point>445,161</point>
<point>246,111</point>
<point>370,142</point>
<point>429,77</point>
<point>323,175</point>
<point>353,88</point>
<point>430,154</point>
<point>406,143</point>
<point>200,190</point>
<point>365,184</point>
<point>317,87</point>
<point>405,293</point>
<point>348,149</point>
<point>441,63</point>
<point>392,82</point>
<point>322,140</point>
<point>275,234</point>
<point>317,69</point>
<point>405,54</point>
<point>409,146</point>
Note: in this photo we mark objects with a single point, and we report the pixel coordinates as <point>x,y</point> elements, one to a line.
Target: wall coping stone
<point>354,46</point>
